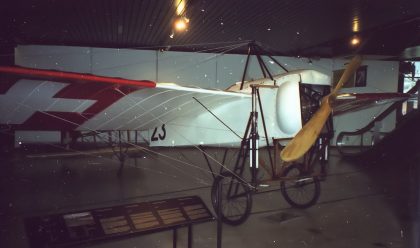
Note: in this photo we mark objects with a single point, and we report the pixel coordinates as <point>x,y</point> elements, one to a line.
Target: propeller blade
<point>350,69</point>
<point>304,139</point>
<point>307,136</point>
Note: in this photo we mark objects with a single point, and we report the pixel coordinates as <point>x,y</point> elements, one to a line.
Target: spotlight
<point>355,41</point>
<point>181,24</point>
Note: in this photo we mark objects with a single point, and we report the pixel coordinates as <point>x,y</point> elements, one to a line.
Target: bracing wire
<point>197,147</point>
<point>144,148</point>
<point>228,48</point>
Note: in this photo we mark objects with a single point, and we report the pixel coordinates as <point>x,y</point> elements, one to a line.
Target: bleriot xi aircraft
<point>169,115</point>
<point>172,115</point>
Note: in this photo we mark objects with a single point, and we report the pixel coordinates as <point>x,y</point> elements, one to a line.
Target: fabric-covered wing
<point>348,102</point>
<point>149,108</point>
<point>33,99</point>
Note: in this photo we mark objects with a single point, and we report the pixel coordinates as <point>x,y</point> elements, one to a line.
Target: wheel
<point>236,199</point>
<point>298,189</point>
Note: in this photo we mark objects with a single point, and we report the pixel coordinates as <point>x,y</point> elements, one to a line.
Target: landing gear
<point>299,187</point>
<point>231,195</point>
<point>299,184</point>
<point>236,198</point>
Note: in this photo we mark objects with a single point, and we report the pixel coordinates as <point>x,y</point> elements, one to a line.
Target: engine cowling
<point>294,106</point>
<point>288,108</point>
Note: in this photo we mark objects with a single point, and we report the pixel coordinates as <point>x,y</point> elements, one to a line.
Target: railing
<point>359,141</point>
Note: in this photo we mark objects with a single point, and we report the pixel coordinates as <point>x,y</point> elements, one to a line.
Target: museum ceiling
<point>321,28</point>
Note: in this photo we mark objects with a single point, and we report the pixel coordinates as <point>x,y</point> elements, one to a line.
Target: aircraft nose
<point>288,108</point>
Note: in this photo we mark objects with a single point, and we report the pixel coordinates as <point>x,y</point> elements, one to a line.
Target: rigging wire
<point>231,47</point>
<point>197,147</point>
<point>125,141</point>
<point>144,148</point>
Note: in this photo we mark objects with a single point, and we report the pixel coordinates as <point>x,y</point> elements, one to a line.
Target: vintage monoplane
<point>171,115</point>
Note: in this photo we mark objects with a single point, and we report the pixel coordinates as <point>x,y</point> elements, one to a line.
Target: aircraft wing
<point>34,99</point>
<point>348,102</point>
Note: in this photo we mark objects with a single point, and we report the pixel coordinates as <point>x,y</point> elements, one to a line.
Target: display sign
<point>115,222</point>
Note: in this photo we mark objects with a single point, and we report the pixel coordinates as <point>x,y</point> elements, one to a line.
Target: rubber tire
<point>247,195</point>
<point>285,190</point>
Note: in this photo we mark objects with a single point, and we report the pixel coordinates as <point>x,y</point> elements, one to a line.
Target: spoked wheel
<point>299,189</point>
<point>236,199</point>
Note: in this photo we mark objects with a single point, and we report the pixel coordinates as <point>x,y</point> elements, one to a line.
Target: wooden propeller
<point>307,136</point>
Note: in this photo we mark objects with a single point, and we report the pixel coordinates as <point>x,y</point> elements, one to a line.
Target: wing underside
<point>350,102</point>
<point>33,99</point>
<point>148,108</point>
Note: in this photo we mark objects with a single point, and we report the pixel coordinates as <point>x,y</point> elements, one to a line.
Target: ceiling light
<point>355,41</point>
<point>181,24</point>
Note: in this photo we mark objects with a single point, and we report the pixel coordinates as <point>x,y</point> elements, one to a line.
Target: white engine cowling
<point>288,108</point>
<point>288,104</point>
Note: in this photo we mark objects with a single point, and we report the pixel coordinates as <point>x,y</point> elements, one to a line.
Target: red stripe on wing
<point>105,91</point>
<point>39,73</point>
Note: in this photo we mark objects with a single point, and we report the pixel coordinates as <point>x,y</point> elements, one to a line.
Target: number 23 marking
<point>159,136</point>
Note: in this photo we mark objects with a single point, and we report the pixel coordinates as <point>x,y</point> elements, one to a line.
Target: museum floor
<point>361,204</point>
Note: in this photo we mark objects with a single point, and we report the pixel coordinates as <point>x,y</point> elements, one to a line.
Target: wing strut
<point>254,49</point>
